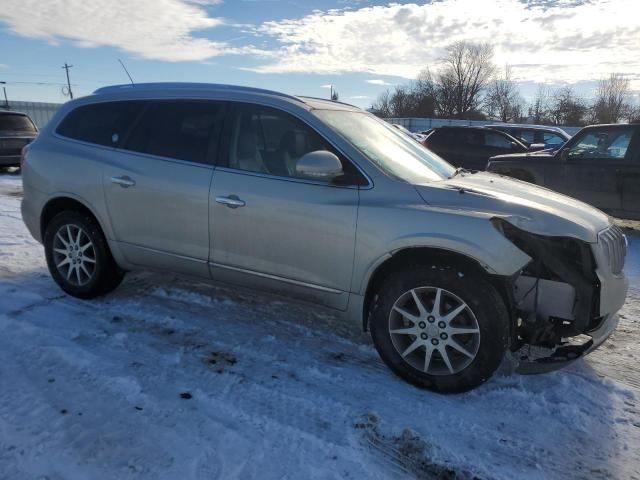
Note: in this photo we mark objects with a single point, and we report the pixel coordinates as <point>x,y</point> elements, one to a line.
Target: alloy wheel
<point>74,255</point>
<point>434,331</point>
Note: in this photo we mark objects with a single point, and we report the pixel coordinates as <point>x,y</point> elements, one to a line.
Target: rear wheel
<point>78,255</point>
<point>440,327</point>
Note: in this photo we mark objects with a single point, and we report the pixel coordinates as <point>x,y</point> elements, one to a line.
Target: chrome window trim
<point>285,179</point>
<point>276,277</point>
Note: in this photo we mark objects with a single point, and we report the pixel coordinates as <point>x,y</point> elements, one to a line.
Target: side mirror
<point>536,147</point>
<point>319,165</point>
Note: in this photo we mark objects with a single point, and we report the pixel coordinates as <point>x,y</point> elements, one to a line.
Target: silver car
<point>320,201</point>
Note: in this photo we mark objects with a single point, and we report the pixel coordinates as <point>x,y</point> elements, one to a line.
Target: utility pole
<point>4,89</point>
<point>66,68</point>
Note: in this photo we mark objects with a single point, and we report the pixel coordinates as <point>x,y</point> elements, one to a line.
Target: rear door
<point>157,185</point>
<point>271,229</point>
<point>593,166</point>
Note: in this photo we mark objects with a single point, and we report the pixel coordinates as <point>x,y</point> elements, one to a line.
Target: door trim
<point>276,277</point>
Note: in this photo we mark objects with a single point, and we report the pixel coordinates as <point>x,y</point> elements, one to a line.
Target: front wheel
<point>78,256</point>
<point>440,327</point>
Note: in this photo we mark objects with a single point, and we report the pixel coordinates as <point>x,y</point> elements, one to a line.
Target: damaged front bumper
<point>566,299</point>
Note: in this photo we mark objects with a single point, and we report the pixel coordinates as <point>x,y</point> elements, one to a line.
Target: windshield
<point>389,149</point>
<point>16,123</point>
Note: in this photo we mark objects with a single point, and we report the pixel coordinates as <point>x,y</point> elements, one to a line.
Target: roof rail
<point>187,85</point>
<point>327,100</point>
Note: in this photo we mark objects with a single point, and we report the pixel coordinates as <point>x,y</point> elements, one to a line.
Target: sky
<point>303,47</point>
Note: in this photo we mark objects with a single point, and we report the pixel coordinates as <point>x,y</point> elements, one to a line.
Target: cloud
<point>360,97</point>
<point>378,81</point>
<point>550,40</point>
<point>154,29</point>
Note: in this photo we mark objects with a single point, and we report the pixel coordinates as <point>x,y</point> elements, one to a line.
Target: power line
<point>66,68</point>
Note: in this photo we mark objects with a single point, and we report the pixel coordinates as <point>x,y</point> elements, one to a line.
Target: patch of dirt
<point>220,361</point>
<point>407,452</point>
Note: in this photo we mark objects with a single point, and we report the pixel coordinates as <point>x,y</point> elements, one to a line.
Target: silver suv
<point>323,202</point>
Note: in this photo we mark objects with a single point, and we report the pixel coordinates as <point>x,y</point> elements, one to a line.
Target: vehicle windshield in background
<point>16,123</point>
<point>394,152</point>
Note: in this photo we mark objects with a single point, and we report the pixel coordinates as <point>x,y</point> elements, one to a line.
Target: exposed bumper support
<point>566,353</point>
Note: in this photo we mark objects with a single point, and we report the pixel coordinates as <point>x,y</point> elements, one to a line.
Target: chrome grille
<point>614,246</point>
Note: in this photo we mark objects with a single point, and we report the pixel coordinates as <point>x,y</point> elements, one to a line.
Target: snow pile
<point>167,379</point>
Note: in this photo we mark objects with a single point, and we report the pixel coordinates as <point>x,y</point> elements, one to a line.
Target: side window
<point>270,141</point>
<point>101,123</point>
<point>180,129</point>
<point>611,144</point>
<point>470,137</point>
<point>442,136</point>
<point>495,140</point>
<point>553,139</point>
<point>526,134</point>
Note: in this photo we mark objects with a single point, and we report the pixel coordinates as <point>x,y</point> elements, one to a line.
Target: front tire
<point>78,256</point>
<point>439,327</point>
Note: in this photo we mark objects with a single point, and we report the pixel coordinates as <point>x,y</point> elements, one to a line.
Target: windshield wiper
<point>460,170</point>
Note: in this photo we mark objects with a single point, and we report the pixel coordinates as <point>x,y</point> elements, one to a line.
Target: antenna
<point>69,92</point>
<point>126,71</point>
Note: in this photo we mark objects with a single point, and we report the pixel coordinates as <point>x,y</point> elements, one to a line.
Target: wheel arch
<point>410,256</point>
<point>61,203</point>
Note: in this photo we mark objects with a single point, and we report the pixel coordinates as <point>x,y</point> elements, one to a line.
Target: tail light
<point>23,155</point>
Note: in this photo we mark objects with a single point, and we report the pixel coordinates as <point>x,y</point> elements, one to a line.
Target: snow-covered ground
<point>171,379</point>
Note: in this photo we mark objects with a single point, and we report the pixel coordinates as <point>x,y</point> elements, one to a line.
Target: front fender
<point>467,233</point>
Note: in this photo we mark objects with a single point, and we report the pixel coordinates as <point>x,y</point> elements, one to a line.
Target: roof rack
<point>187,85</point>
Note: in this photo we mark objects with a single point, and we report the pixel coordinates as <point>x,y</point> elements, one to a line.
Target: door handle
<point>124,182</point>
<point>232,201</point>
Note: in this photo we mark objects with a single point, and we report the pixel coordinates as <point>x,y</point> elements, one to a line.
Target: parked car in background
<point>418,137</point>
<point>599,165</point>
<point>551,137</point>
<point>471,147</point>
<point>323,202</point>
<point>16,131</point>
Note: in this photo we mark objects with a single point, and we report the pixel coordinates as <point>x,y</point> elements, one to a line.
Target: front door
<point>157,186</point>
<point>270,228</point>
<point>591,165</point>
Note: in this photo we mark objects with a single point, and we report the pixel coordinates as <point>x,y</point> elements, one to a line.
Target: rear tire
<point>78,255</point>
<point>419,335</point>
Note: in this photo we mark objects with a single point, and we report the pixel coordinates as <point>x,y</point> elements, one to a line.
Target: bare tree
<point>566,108</point>
<point>503,98</point>
<point>382,105</point>
<point>612,99</point>
<point>539,108</point>
<point>467,70</point>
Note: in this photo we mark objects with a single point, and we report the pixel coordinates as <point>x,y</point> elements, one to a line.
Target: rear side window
<point>101,123</point>
<point>496,140</point>
<point>553,139</point>
<point>442,136</point>
<point>184,130</point>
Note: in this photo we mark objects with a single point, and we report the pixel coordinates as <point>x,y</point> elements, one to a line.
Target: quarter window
<point>184,130</point>
<point>602,144</point>
<point>100,123</point>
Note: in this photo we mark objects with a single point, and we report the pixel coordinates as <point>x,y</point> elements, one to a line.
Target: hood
<point>529,207</point>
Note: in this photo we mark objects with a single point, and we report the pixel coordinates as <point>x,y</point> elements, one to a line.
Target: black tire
<point>483,301</point>
<point>105,274</point>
